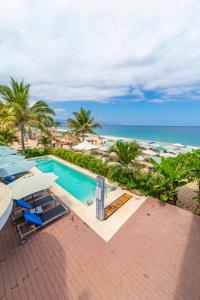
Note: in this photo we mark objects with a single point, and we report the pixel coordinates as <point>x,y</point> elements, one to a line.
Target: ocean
<point>187,135</point>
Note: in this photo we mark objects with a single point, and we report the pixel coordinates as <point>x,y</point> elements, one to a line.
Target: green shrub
<point>161,183</point>
<point>35,152</point>
<point>87,161</point>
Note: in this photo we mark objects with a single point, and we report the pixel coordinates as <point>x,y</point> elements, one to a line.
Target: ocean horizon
<point>187,135</point>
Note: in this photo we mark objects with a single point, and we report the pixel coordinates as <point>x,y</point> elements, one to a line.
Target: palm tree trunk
<point>83,136</point>
<point>22,138</point>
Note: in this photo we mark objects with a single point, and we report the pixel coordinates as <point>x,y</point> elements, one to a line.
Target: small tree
<point>82,123</point>
<point>17,113</point>
<point>126,152</point>
<point>44,141</point>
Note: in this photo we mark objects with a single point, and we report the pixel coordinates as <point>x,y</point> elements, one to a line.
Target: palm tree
<point>7,137</point>
<point>44,141</point>
<point>126,152</point>
<point>17,113</point>
<point>83,123</point>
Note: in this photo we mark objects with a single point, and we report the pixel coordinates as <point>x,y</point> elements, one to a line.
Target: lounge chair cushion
<point>23,204</point>
<point>32,218</point>
<point>9,178</point>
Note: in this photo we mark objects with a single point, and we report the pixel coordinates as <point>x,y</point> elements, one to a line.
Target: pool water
<point>78,184</point>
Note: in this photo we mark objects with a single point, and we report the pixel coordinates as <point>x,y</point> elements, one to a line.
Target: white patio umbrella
<point>157,159</point>
<point>84,146</point>
<point>106,147</point>
<point>114,164</point>
<point>149,152</point>
<point>30,184</point>
<point>167,155</point>
<point>7,151</point>
<point>16,168</point>
<point>140,158</point>
<point>185,150</point>
<point>155,145</point>
<point>144,145</point>
<point>11,159</point>
<point>178,145</point>
<point>6,204</point>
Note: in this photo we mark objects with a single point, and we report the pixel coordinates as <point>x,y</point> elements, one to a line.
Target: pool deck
<point>153,256</point>
<point>107,228</point>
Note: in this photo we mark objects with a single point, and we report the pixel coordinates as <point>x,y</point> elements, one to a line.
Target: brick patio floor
<point>155,255</point>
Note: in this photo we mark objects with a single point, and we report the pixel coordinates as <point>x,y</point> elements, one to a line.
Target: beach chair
<point>33,222</point>
<point>9,179</point>
<point>34,206</point>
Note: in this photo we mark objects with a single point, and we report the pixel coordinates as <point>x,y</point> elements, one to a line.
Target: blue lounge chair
<point>32,221</point>
<point>36,204</point>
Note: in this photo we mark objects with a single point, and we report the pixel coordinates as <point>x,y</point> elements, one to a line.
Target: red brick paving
<point>155,256</point>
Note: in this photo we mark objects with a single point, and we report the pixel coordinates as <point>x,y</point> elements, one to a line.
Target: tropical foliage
<point>17,113</point>
<point>36,152</point>
<point>7,137</point>
<point>162,182</point>
<point>44,141</point>
<point>87,161</point>
<point>194,173</point>
<point>82,123</point>
<point>171,178</point>
<point>126,152</point>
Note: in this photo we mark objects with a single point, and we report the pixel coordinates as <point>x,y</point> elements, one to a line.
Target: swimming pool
<point>78,184</point>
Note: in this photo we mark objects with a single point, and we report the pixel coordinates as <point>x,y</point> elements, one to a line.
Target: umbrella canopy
<point>106,147</point>
<point>4,147</point>
<point>5,151</point>
<point>167,155</point>
<point>157,159</point>
<point>185,150</point>
<point>6,204</point>
<point>160,149</point>
<point>152,142</point>
<point>140,157</point>
<point>154,145</point>
<point>149,152</point>
<point>84,146</point>
<point>144,145</point>
<point>178,145</point>
<point>31,184</point>
<point>114,164</point>
<point>16,168</point>
<point>10,159</point>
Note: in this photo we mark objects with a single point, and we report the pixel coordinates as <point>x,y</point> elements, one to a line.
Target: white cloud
<point>97,49</point>
<point>156,101</point>
<point>61,113</point>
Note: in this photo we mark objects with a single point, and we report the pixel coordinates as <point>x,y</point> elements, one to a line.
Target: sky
<point>130,62</point>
